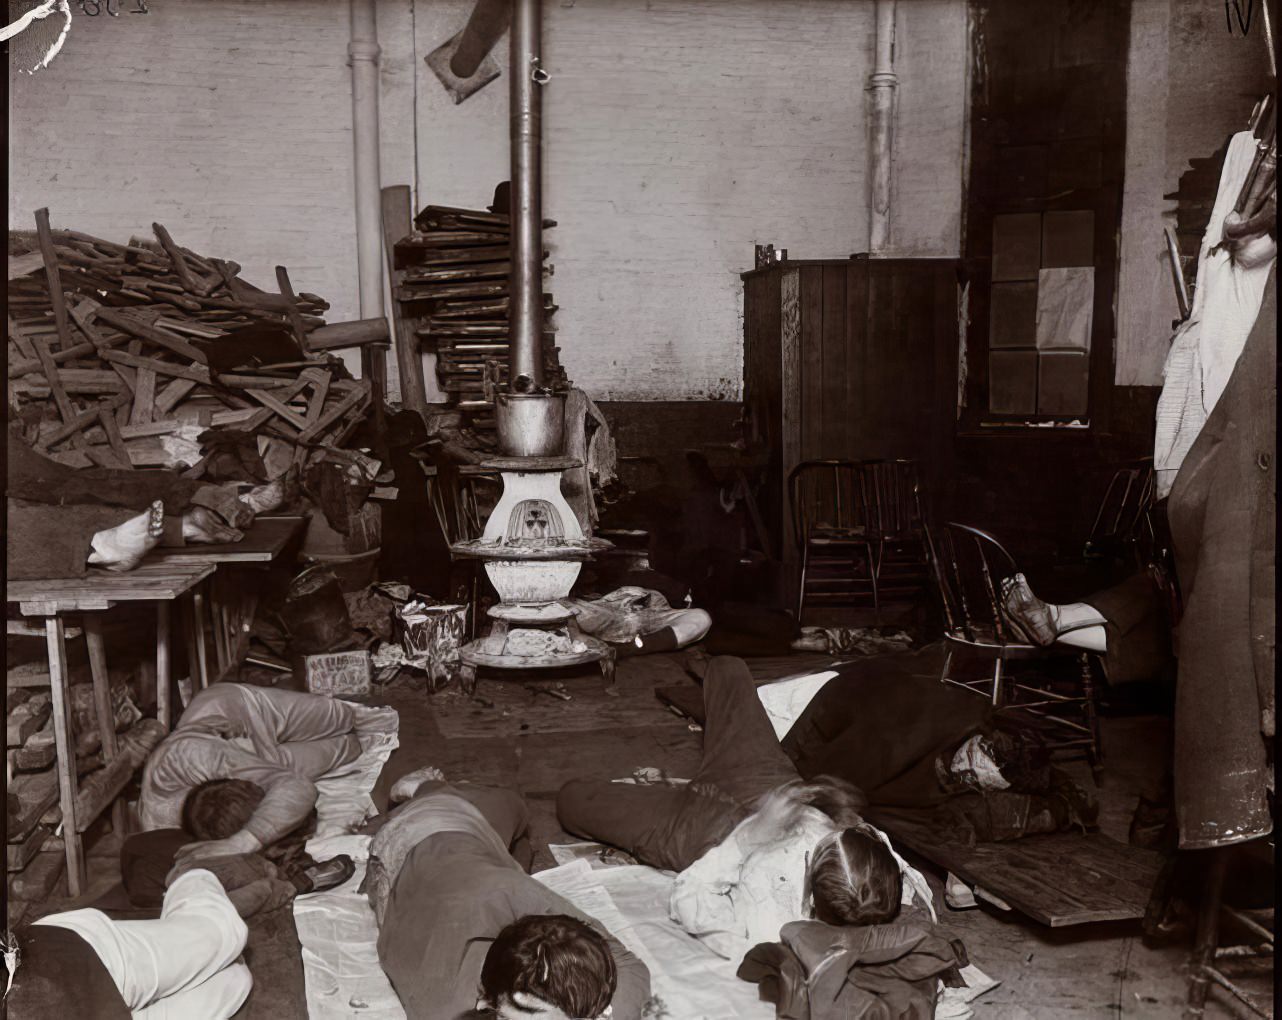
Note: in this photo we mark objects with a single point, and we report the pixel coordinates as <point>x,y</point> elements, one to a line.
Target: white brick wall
<point>678,133</point>
<point>229,121</point>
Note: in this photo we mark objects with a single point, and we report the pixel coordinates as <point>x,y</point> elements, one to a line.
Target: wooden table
<point>231,605</point>
<point>99,590</point>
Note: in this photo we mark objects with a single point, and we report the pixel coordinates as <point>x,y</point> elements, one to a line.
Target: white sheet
<point>784,700</point>
<point>693,982</point>
<point>339,937</point>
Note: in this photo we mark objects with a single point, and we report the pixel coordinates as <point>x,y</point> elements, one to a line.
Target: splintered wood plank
<point>117,443</point>
<point>295,320</point>
<point>66,409</point>
<point>196,373</point>
<point>1060,880</point>
<point>144,397</point>
<point>45,238</point>
<point>336,412</point>
<point>176,258</point>
<point>320,380</point>
<point>283,411</point>
<point>172,393</point>
<point>130,323</point>
<point>20,340</point>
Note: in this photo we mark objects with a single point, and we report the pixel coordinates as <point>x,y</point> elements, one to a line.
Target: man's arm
<point>288,799</point>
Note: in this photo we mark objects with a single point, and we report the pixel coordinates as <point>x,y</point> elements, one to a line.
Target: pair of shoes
<point>1028,616</point>
<point>329,874</point>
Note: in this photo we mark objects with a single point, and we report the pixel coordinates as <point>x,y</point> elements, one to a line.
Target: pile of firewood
<point>113,347</point>
<point>452,277</point>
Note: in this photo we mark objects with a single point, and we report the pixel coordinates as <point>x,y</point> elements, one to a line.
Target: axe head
<point>460,88</point>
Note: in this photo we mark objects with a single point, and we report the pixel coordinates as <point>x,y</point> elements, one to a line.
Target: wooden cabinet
<point>849,359</point>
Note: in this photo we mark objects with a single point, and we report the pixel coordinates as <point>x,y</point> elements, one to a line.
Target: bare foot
<point>405,787</point>
<point>124,546</point>
<point>202,526</point>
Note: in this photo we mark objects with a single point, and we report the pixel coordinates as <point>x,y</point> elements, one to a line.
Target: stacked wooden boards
<point>452,273</point>
<point>110,351</point>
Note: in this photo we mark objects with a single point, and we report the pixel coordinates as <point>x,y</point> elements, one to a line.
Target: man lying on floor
<point>184,964</point>
<point>274,743</point>
<point>756,847</point>
<point>461,924</point>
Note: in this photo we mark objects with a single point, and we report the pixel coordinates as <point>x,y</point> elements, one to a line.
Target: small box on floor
<point>338,674</point>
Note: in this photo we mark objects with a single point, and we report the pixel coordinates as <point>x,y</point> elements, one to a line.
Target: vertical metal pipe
<point>526,113</point>
<point>882,84</point>
<point>363,52</point>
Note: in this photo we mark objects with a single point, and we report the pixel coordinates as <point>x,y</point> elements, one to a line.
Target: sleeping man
<point>754,846</point>
<point>278,741</point>
<point>462,927</point>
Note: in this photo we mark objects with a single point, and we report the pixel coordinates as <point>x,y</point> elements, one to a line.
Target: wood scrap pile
<point>112,348</point>
<point>452,278</point>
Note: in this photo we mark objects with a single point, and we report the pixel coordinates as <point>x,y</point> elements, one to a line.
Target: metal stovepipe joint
<point>526,312</point>
<point>488,21</point>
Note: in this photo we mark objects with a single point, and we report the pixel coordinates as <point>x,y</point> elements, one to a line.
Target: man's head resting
<point>220,808</point>
<point>854,879</point>
<point>547,965</point>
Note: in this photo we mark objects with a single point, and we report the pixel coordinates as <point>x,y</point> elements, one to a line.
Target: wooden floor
<point>511,734</point>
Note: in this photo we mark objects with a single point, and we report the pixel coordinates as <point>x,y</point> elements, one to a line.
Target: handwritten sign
<point>338,674</point>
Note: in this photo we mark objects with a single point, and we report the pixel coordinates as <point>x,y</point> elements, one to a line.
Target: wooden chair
<point>858,525</point>
<point>1123,528</point>
<point>457,500</point>
<point>968,566</point>
<point>1212,962</point>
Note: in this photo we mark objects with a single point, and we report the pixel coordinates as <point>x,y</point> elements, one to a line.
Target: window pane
<point>1012,315</point>
<point>1017,246</point>
<point>1062,387</point>
<point>1012,382</point>
<point>1068,239</point>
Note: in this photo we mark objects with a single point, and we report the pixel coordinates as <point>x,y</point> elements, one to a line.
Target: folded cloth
<point>872,972</point>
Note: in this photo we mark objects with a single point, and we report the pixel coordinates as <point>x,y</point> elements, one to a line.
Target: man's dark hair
<point>219,808</point>
<point>555,958</point>
<point>855,879</point>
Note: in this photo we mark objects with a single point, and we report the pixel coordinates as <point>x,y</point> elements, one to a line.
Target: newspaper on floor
<point>336,928</point>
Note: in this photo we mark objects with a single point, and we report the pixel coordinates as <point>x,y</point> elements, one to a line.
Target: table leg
<point>56,639</point>
<point>103,707</point>
<point>163,660</point>
<point>200,669</point>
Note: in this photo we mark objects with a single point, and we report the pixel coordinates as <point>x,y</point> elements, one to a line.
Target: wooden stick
<point>196,373</point>
<point>320,390</point>
<point>295,320</point>
<point>45,236</point>
<point>66,409</point>
<point>173,392</point>
<point>176,258</point>
<point>334,413</point>
<point>131,324</point>
<point>114,438</point>
<point>144,396</point>
<point>349,334</point>
<point>285,412</point>
<point>19,337</point>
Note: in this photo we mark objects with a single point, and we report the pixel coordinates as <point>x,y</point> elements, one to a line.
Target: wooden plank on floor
<point>1060,880</point>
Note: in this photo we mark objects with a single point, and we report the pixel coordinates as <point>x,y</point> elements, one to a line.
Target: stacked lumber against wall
<point>453,272</point>
<point>113,348</point>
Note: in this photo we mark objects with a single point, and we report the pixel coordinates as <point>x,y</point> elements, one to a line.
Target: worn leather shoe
<point>331,873</point>
<point>1029,616</point>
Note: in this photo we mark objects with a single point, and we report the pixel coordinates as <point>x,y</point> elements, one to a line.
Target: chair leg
<point>801,588</point>
<point>874,567</point>
<point>997,681</point>
<point>1208,926</point>
<point>1095,752</point>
